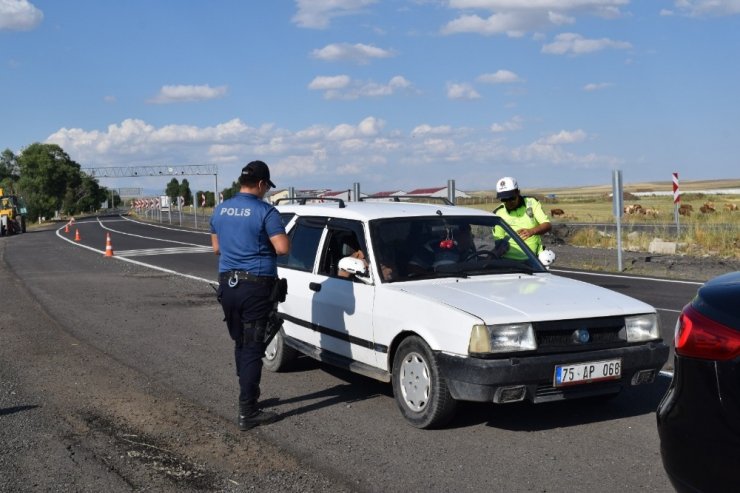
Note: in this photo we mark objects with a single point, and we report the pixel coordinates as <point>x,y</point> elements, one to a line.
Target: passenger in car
<point>352,249</point>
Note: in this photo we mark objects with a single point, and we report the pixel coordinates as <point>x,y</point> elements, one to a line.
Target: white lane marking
<point>668,310</point>
<point>162,251</point>
<point>165,227</point>
<point>147,237</point>
<point>124,259</point>
<point>598,274</point>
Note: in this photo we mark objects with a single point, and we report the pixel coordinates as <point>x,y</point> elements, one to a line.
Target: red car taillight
<point>698,336</point>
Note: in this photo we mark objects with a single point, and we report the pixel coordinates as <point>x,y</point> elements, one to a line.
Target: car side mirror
<point>547,257</point>
<point>354,266</point>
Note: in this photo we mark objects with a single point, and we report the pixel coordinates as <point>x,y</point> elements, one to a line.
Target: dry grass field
<point>714,232</point>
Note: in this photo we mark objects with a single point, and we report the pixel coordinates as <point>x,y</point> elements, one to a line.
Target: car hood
<point>518,298</point>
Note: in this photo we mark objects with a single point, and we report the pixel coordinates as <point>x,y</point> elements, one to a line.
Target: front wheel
<point>278,355</point>
<point>421,393</point>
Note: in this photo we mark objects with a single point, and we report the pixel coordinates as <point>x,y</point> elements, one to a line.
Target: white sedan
<point>422,296</point>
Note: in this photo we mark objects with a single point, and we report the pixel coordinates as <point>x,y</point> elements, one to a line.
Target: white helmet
<point>547,257</point>
<point>506,187</point>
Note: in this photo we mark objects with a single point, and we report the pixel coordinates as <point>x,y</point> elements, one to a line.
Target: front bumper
<point>474,379</point>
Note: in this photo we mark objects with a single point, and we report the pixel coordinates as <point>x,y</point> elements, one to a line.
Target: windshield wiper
<point>436,275</point>
<point>504,266</point>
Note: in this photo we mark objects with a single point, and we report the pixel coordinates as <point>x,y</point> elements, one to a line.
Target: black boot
<point>250,416</point>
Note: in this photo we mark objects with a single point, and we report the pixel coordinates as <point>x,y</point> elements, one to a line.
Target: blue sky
<point>393,94</point>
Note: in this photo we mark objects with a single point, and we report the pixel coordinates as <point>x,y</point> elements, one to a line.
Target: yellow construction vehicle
<point>12,214</point>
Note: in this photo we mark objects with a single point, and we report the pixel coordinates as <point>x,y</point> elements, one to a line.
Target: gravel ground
<point>643,263</point>
<point>74,418</point>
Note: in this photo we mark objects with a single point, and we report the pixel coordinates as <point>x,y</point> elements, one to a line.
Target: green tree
<point>46,172</point>
<point>231,191</point>
<point>185,192</point>
<point>8,167</point>
<point>173,188</point>
<point>51,181</point>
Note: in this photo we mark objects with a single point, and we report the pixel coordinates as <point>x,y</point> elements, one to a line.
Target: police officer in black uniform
<point>248,235</point>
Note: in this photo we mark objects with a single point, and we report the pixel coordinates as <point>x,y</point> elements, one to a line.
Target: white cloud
<point>514,124</point>
<point>186,94</point>
<point>499,77</point>
<point>578,45</point>
<point>564,137</point>
<point>597,86</point>
<point>423,130</point>
<point>512,24</point>
<point>515,17</point>
<point>314,156</point>
<point>461,91</point>
<point>326,83</point>
<point>317,14</point>
<point>342,87</point>
<point>708,8</point>
<point>109,99</point>
<point>19,15</point>
<point>357,53</point>
<point>370,126</point>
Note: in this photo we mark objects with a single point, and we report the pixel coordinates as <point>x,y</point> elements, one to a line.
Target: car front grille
<point>560,335</point>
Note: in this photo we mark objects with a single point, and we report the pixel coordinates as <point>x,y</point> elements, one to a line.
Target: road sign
<point>676,191</point>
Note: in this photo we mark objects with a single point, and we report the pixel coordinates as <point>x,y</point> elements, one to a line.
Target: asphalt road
<point>163,359</point>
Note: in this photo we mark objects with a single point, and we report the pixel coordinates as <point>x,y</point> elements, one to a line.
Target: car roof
<point>367,211</point>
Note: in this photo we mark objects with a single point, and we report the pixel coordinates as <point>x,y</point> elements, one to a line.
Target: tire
<point>421,393</point>
<point>278,355</point>
<point>22,222</point>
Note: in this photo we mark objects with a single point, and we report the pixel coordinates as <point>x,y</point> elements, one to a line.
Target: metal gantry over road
<point>170,170</point>
<point>134,171</point>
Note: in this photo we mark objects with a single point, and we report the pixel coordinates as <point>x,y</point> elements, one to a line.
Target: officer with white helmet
<point>524,215</point>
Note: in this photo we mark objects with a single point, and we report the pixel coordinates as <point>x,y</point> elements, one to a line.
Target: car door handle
<point>314,286</point>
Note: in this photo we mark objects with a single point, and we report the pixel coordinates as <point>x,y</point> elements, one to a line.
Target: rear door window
<point>304,243</point>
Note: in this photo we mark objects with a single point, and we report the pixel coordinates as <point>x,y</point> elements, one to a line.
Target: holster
<point>265,329</point>
<point>262,330</point>
<point>279,291</point>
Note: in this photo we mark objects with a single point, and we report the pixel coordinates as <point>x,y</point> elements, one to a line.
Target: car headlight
<point>642,328</point>
<point>504,338</point>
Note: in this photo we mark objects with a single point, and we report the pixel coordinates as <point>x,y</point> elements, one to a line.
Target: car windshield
<point>454,246</point>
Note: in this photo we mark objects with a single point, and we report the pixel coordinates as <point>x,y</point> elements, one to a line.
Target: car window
<point>304,243</point>
<point>286,217</point>
<point>344,238</point>
<point>429,247</point>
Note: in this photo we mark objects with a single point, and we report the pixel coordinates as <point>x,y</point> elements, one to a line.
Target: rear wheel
<point>278,355</point>
<point>421,394</point>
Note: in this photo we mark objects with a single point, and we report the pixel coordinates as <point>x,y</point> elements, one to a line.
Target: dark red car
<point>699,417</point>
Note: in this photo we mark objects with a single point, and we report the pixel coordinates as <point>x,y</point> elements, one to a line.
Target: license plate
<point>588,372</point>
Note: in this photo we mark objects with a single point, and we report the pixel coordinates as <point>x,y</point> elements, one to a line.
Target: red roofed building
<point>438,192</point>
<point>381,195</point>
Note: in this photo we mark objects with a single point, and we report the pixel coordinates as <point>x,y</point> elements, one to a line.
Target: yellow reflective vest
<point>528,215</point>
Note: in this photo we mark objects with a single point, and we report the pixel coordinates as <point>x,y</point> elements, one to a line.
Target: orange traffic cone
<point>77,235</point>
<point>66,228</point>
<point>108,246</point>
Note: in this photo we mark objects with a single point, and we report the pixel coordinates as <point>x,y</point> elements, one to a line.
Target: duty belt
<point>234,276</point>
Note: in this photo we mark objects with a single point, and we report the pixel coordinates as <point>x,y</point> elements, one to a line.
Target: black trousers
<point>246,302</point>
